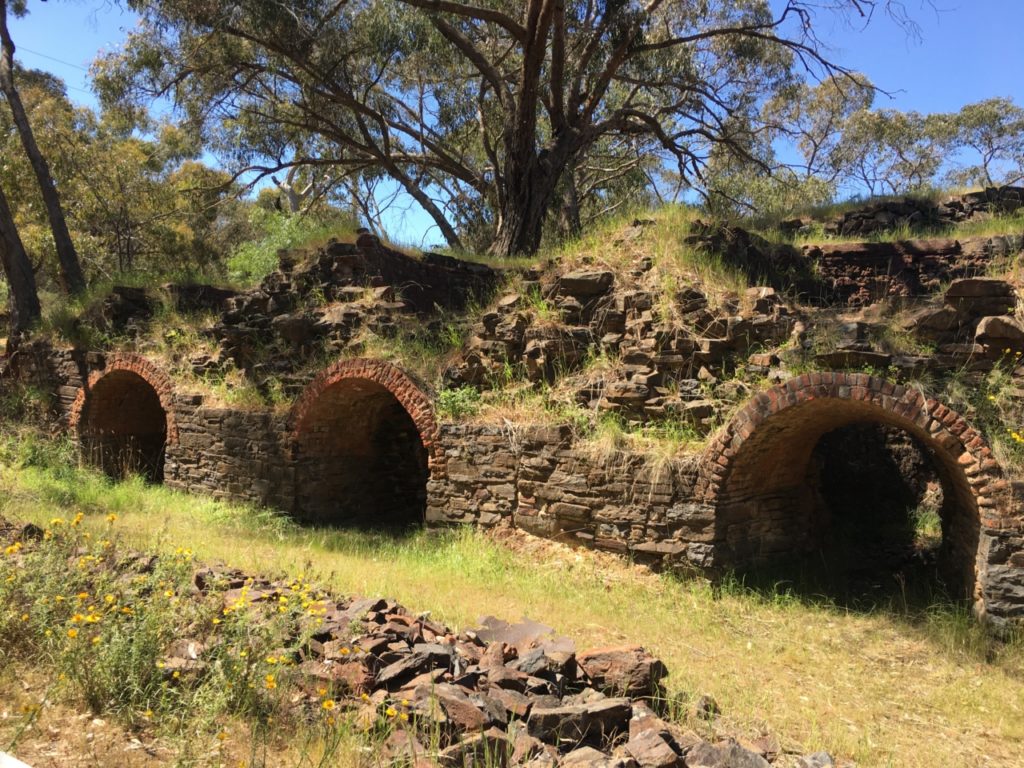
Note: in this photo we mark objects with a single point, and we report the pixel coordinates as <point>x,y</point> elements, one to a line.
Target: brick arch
<point>132,364</point>
<point>412,397</point>
<point>753,471</point>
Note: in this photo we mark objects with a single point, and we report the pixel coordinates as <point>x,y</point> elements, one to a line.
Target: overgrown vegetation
<point>251,261</point>
<point>931,662</point>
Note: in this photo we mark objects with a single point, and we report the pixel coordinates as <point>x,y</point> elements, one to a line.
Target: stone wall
<point>231,454</point>
<point>746,500</point>
<point>537,479</point>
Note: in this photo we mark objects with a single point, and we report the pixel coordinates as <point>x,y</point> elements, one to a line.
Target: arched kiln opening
<point>842,495</point>
<point>123,429</point>
<point>361,460</point>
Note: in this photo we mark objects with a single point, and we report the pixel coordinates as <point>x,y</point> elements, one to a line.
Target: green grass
<point>921,687</point>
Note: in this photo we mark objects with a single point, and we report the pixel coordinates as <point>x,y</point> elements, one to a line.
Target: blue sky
<point>969,50</point>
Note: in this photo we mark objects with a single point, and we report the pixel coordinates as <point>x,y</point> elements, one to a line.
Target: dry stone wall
<point>537,479</point>
<point>741,502</point>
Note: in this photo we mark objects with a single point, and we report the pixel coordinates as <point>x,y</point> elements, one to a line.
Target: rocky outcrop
<point>319,305</point>
<point>888,215</point>
<point>668,352</point>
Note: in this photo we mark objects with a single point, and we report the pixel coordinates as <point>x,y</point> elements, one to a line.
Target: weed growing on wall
<point>458,403</point>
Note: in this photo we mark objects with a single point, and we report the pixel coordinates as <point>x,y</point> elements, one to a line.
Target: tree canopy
<point>485,113</point>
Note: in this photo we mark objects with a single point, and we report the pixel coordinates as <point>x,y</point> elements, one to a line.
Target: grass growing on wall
<point>897,685</point>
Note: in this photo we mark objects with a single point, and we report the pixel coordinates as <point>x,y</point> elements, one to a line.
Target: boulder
<point>726,755</point>
<point>978,287</point>
<point>981,296</point>
<point>585,283</point>
<point>491,748</point>
<point>1000,332</point>
<point>623,671</point>
<point>586,757</point>
<point>594,722</point>
<point>651,750</point>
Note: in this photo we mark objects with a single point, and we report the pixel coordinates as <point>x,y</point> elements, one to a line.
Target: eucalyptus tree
<point>885,151</point>
<point>993,130</point>
<point>486,105</point>
<point>70,267</point>
<point>17,269</point>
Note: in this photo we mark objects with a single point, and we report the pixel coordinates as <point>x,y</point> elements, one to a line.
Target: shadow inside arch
<point>841,501</point>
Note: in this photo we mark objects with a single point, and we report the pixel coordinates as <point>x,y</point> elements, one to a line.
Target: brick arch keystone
<point>410,395</point>
<point>145,370</point>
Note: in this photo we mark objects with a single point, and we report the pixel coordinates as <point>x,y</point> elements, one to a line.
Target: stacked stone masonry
<point>743,502</point>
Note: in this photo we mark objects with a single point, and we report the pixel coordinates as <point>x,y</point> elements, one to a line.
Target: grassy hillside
<point>903,683</point>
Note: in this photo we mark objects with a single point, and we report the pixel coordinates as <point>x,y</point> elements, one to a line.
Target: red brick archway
<point>365,443</point>
<point>753,472</point>
<point>124,416</point>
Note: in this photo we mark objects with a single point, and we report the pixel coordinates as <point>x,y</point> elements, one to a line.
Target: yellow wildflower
<point>390,711</point>
<point>270,682</point>
<point>111,517</point>
<point>72,633</point>
<point>328,704</point>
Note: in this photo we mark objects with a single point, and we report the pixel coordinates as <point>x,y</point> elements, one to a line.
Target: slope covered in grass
<point>901,684</point>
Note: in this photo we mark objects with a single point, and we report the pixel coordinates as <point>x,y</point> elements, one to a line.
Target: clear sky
<point>968,50</point>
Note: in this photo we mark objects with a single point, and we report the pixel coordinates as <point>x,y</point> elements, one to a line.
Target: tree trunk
<point>522,223</point>
<point>569,224</point>
<point>20,280</point>
<point>532,182</point>
<point>70,269</point>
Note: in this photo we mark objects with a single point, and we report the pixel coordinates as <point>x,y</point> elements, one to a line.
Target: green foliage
<point>250,262</point>
<point>22,403</point>
<point>134,202</point>
<point>458,403</point>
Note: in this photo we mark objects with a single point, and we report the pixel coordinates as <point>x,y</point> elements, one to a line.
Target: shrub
<point>458,403</point>
<point>253,261</point>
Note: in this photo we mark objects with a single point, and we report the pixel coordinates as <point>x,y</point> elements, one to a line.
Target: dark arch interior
<point>124,427</point>
<point>361,461</point>
<point>843,498</point>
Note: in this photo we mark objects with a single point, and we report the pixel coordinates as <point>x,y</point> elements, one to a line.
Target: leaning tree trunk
<point>70,268</point>
<point>20,280</point>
